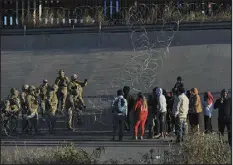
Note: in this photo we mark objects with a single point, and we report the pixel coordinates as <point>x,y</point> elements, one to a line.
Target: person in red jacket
<point>141,111</point>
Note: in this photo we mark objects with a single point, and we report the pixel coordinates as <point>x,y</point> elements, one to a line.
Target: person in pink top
<point>141,111</point>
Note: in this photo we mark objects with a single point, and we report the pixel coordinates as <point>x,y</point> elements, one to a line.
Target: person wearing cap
<point>62,82</point>
<point>179,83</point>
<point>50,112</point>
<point>33,105</point>
<point>180,114</point>
<point>44,89</point>
<point>224,106</point>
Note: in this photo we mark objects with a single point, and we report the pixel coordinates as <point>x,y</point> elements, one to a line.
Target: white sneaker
<point>141,137</point>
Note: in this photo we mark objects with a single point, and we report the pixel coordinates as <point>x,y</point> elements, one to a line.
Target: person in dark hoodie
<point>224,106</point>
<point>152,103</point>
<point>170,99</point>
<point>130,100</point>
<point>179,83</point>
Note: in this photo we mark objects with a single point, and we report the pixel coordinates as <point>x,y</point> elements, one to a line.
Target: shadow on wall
<point>110,41</point>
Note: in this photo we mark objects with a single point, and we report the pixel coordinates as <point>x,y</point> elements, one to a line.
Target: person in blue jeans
<point>180,114</point>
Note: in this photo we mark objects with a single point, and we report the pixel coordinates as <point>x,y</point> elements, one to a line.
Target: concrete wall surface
<point>202,58</point>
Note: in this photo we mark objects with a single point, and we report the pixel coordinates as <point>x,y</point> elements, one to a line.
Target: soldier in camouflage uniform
<point>62,82</point>
<point>24,108</point>
<point>74,106</point>
<point>52,102</point>
<point>5,109</point>
<point>44,89</point>
<point>75,83</point>
<point>14,108</point>
<point>33,105</point>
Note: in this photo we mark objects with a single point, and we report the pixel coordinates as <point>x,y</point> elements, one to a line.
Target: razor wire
<point>140,71</point>
<point>111,15</point>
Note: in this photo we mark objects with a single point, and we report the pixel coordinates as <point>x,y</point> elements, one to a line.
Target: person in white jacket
<point>161,114</point>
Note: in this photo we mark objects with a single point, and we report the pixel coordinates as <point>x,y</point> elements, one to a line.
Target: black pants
<point>170,121</point>
<point>208,124</point>
<point>221,127</point>
<point>25,125</point>
<point>194,121</point>
<point>161,122</point>
<point>118,123</point>
<point>128,122</point>
<point>33,123</point>
<point>51,121</point>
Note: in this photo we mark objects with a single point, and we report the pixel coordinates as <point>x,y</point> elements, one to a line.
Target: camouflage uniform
<point>33,105</point>
<point>13,109</point>
<point>24,108</point>
<point>44,89</point>
<point>74,103</point>
<point>52,102</point>
<point>5,110</point>
<point>75,83</point>
<point>62,82</point>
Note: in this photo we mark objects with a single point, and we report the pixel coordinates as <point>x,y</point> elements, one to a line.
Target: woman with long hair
<point>141,111</point>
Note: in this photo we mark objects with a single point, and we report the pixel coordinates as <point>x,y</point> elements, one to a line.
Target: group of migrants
<point>45,98</point>
<point>170,112</point>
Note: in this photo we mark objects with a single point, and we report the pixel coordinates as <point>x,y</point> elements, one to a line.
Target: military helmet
<point>25,87</point>
<point>13,91</point>
<point>31,88</point>
<point>45,81</point>
<point>60,71</point>
<point>54,86</point>
<point>74,76</point>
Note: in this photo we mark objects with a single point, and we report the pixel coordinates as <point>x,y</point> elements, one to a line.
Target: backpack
<point>116,107</point>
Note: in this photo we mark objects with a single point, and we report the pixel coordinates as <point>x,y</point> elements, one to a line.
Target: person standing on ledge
<point>130,100</point>
<point>119,110</point>
<point>141,110</point>
<point>179,83</point>
<point>195,109</point>
<point>62,82</point>
<point>208,110</point>
<point>224,106</point>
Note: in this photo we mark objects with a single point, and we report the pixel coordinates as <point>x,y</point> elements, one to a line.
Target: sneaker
<point>157,136</point>
<point>135,138</point>
<point>141,137</point>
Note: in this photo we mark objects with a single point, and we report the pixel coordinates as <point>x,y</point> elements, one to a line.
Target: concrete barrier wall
<point>202,58</point>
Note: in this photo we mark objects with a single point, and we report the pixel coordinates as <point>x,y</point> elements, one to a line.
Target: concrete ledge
<point>121,29</point>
